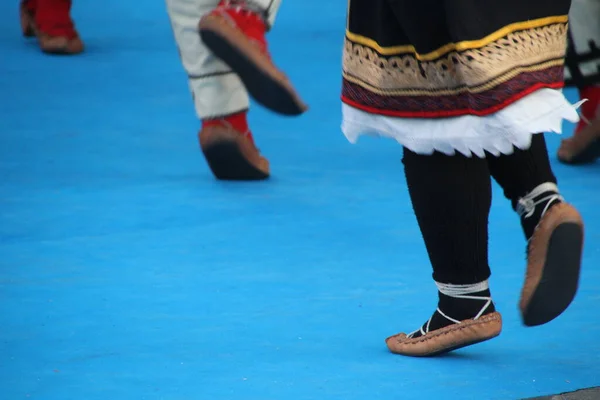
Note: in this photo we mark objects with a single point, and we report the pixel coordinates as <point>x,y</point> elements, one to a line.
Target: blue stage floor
<point>127,272</point>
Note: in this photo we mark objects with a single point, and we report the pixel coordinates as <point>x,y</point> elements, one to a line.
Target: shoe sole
<point>227,163</point>
<point>456,347</point>
<point>263,81</point>
<point>60,52</point>
<point>560,275</point>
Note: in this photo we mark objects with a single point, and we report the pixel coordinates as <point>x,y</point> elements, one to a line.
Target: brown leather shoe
<point>231,155</point>
<point>553,265</point>
<point>236,35</point>
<point>583,147</point>
<point>449,338</point>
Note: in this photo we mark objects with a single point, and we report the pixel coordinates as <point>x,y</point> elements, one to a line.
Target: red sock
<point>239,122</point>
<point>53,17</point>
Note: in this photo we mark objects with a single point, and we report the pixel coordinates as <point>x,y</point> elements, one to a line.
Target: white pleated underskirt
<point>541,111</point>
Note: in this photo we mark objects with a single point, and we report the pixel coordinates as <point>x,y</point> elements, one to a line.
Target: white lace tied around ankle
<point>459,292</point>
<point>526,205</point>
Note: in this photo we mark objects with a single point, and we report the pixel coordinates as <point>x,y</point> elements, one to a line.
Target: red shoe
<point>584,146</point>
<point>54,27</point>
<point>236,35</point>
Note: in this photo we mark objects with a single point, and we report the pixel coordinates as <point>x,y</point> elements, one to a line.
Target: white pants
<point>584,23</point>
<point>215,88</point>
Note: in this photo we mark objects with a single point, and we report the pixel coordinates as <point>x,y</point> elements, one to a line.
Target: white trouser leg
<point>584,22</point>
<point>216,90</point>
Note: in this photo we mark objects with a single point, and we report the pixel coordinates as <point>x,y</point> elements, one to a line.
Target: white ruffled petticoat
<point>541,111</point>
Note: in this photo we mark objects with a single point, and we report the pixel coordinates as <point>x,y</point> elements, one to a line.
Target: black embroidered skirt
<point>436,59</point>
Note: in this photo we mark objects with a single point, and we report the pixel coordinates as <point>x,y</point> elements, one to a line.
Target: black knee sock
<point>519,174</point>
<point>451,197</point>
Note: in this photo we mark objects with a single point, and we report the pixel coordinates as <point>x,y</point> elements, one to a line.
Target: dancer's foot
<point>465,316</point>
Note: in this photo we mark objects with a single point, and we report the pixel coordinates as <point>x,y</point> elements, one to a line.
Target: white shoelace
<point>526,205</point>
<point>459,292</point>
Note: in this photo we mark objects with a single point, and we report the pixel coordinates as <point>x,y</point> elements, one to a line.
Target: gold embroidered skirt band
<point>435,59</point>
<point>583,54</point>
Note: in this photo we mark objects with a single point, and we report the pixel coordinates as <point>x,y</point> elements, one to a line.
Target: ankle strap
<point>527,204</point>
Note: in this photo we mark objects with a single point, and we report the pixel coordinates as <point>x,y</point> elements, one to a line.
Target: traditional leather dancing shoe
<point>583,147</point>
<point>232,155</point>
<point>236,35</point>
<point>553,265</point>
<point>452,337</point>
<point>452,333</point>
